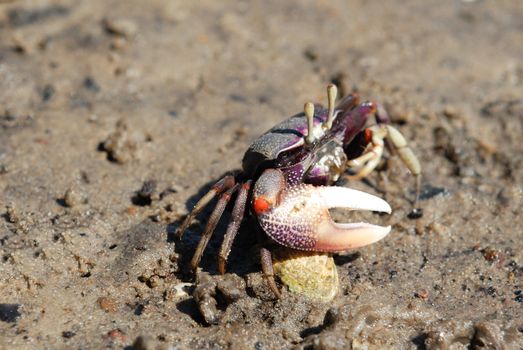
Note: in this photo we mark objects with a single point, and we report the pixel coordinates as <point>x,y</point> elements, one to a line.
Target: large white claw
<point>332,236</point>
<point>298,217</point>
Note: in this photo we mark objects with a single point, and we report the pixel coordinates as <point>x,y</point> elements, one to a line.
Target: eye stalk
<point>309,113</point>
<point>332,92</point>
<point>308,109</point>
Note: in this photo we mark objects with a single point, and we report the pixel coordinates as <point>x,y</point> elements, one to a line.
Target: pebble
<point>116,335</point>
<point>73,198</point>
<point>490,254</point>
<point>68,334</point>
<point>11,214</point>
<point>179,291</point>
<point>119,146</point>
<point>107,304</point>
<point>519,296</point>
<point>232,287</point>
<point>204,295</point>
<point>148,191</point>
<point>422,294</point>
<point>428,191</point>
<point>415,213</point>
<point>451,112</point>
<point>120,26</point>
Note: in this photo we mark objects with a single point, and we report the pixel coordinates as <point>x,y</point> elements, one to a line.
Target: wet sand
<point>115,117</point>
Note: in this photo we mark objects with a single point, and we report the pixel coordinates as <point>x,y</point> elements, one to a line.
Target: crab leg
<point>211,225</point>
<point>298,216</point>
<point>268,272</point>
<point>309,113</point>
<point>365,164</point>
<point>237,217</point>
<point>332,92</point>
<point>369,160</point>
<point>407,156</point>
<point>223,184</point>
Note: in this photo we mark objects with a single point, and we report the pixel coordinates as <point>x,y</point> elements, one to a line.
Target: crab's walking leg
<point>367,162</point>
<point>211,225</point>
<point>407,156</point>
<point>375,135</point>
<point>223,184</point>
<point>332,92</point>
<point>268,272</point>
<point>234,225</point>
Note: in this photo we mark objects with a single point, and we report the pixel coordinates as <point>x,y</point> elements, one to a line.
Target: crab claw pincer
<point>298,216</point>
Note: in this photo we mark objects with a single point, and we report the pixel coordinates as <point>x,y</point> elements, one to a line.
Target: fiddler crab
<point>286,181</point>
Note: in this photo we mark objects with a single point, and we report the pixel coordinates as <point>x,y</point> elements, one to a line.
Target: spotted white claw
<point>298,216</point>
<point>332,235</point>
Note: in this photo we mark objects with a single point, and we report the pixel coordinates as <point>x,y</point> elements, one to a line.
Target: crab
<point>287,180</point>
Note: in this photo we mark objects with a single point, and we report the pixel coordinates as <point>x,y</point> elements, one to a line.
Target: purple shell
<point>283,137</point>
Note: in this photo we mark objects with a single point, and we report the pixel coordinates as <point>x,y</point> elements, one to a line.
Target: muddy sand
<point>116,116</point>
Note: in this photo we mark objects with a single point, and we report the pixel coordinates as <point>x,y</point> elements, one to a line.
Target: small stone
<point>116,335</point>
<point>415,213</point>
<point>204,294</point>
<point>11,214</point>
<point>153,281</point>
<point>21,44</point>
<point>232,287</point>
<point>511,276</point>
<point>47,93</point>
<point>422,294</point>
<point>178,292</point>
<point>491,291</point>
<point>73,198</point>
<point>451,112</point>
<point>68,334</point>
<point>131,210</point>
<point>119,145</point>
<point>490,254</point>
<point>437,228</point>
<point>4,169</point>
<point>147,193</point>
<point>119,43</point>
<point>120,26</point>
<point>311,54</point>
<point>420,228</point>
<point>487,147</point>
<point>428,191</point>
<point>108,304</point>
<point>91,84</point>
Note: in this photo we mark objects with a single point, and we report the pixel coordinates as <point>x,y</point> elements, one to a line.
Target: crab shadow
<point>242,258</point>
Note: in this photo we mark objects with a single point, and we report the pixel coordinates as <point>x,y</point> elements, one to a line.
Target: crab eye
<point>260,205</point>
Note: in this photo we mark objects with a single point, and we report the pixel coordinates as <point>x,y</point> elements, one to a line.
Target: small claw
<point>298,217</point>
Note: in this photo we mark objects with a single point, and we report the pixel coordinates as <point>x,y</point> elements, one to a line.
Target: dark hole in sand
<point>9,312</point>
